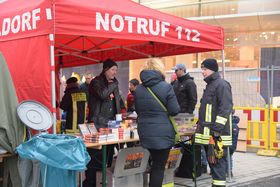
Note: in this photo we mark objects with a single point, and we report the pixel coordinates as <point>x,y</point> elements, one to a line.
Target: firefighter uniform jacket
<point>74,102</point>
<point>215,111</point>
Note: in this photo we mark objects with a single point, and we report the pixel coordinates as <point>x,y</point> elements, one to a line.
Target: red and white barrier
<point>276,116</point>
<point>255,115</point>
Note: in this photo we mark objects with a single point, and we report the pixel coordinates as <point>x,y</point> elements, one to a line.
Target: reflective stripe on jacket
<point>215,111</point>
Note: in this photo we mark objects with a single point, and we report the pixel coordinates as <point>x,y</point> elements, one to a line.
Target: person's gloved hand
<point>211,152</point>
<point>218,147</point>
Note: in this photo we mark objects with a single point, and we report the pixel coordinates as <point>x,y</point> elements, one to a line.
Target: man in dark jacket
<point>214,125</point>
<point>105,96</point>
<point>74,103</point>
<point>85,85</point>
<point>185,89</point>
<point>130,99</point>
<point>104,104</point>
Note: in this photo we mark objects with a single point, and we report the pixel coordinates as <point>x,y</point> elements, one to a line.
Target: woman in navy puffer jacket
<point>155,130</point>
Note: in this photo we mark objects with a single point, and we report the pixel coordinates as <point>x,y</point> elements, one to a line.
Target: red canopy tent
<point>35,33</point>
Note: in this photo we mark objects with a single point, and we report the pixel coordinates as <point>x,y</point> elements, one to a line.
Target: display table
<point>103,146</point>
<point>100,145</point>
<point>188,139</point>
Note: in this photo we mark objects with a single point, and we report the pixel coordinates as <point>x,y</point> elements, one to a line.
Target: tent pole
<point>51,36</point>
<point>223,64</point>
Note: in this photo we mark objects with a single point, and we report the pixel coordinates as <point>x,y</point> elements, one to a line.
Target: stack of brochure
<point>96,138</point>
<point>87,129</point>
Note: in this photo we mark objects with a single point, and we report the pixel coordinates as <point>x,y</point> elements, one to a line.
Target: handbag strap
<point>159,101</point>
<point>173,122</point>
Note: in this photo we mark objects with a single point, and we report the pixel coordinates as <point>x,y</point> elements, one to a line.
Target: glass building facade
<point>252,45</point>
<point>249,25</point>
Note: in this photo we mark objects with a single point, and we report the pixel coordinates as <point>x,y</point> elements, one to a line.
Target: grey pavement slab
<point>249,169</point>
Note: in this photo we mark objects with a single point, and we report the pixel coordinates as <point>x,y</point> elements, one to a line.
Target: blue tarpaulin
<point>63,154</point>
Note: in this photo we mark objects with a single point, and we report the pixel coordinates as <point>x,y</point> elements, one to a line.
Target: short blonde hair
<point>87,74</point>
<point>155,64</point>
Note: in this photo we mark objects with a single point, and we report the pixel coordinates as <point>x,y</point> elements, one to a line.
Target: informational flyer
<point>173,157</point>
<point>133,160</point>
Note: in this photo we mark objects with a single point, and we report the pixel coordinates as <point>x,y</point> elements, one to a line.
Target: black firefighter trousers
<point>218,170</point>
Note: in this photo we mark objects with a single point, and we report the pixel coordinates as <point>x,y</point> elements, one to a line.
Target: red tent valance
<point>34,32</point>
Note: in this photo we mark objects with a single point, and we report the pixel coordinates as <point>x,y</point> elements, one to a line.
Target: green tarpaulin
<point>11,129</point>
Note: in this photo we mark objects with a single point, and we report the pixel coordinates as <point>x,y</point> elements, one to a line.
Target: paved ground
<point>250,170</point>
